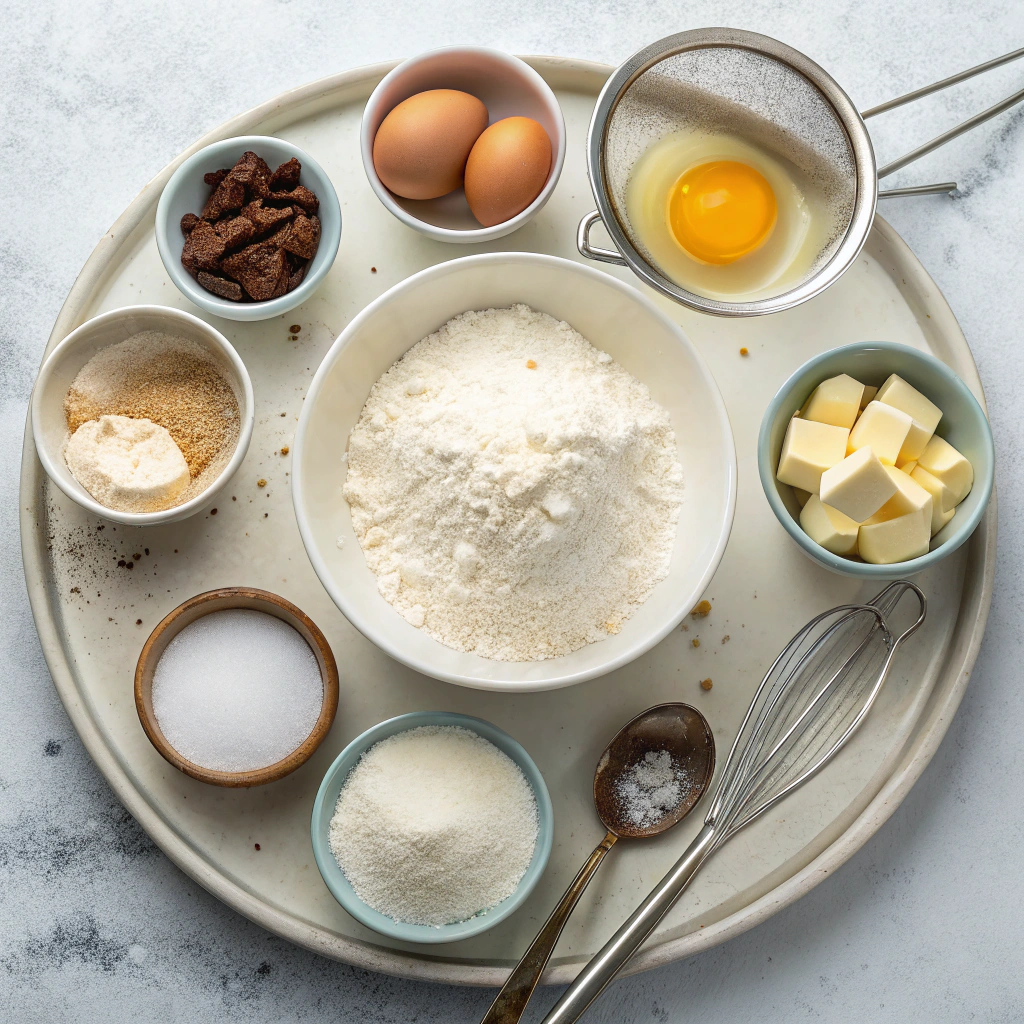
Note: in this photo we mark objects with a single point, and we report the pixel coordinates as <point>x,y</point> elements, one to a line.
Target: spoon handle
<point>591,981</point>
<point>510,1002</point>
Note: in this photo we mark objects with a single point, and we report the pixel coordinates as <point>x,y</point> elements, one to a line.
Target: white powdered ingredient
<point>127,464</point>
<point>237,690</point>
<point>515,491</point>
<point>434,825</point>
<point>650,788</point>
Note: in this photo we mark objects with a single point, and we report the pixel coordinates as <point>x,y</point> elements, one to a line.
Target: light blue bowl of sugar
<point>339,885</point>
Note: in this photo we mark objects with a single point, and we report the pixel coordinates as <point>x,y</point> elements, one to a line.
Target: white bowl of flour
<point>536,494</point>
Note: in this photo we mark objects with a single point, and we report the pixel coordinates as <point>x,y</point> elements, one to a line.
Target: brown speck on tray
<point>373,270</point>
<point>213,511</point>
<point>295,328</point>
<point>744,351</point>
<point>121,563</point>
<point>284,450</point>
<point>283,415</point>
<point>257,845</point>
<point>136,557</point>
<point>695,642</point>
<point>530,364</point>
<point>146,550</point>
<point>175,550</point>
<point>685,628</point>
<point>233,498</point>
<point>705,684</point>
<point>726,638</point>
<point>130,565</point>
<point>702,610</point>
<point>138,622</point>
<point>265,514</point>
<point>261,482</point>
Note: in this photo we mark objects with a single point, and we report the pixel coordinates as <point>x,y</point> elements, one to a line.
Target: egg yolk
<point>721,211</point>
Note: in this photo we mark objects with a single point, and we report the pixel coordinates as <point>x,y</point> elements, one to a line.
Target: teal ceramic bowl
<point>964,425</point>
<point>327,799</point>
<point>186,192</point>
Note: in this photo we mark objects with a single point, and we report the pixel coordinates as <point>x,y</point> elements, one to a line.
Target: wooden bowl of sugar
<point>236,687</point>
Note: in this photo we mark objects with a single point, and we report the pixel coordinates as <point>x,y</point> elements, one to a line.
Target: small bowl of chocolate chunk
<point>247,228</point>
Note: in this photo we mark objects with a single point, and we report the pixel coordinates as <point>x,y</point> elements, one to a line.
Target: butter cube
<point>829,527</point>
<point>809,449</point>
<point>940,520</point>
<point>835,401</point>
<point>942,460</point>
<point>910,497</point>
<point>858,486</point>
<point>924,413</point>
<point>868,396</point>
<point>895,540</point>
<point>883,428</point>
<point>942,497</point>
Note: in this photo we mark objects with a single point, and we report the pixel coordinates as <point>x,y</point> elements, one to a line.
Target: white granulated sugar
<point>237,690</point>
<point>650,788</point>
<point>434,825</point>
<point>515,491</point>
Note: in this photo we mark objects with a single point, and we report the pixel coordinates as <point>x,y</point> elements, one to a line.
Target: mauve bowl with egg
<point>964,425</point>
<point>508,87</point>
<point>49,424</point>
<point>616,319</point>
<point>186,192</point>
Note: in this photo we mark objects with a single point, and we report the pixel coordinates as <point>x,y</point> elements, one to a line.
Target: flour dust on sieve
<point>515,491</point>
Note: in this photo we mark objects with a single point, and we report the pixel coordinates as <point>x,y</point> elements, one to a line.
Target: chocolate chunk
<point>304,236</point>
<point>228,196</point>
<point>266,218</point>
<point>296,278</point>
<point>236,232</point>
<point>286,177</point>
<point>299,196</point>
<point>254,173</point>
<point>221,286</point>
<point>257,268</point>
<point>282,281</point>
<point>188,256</point>
<point>214,178</point>
<point>188,222</point>
<point>207,246</point>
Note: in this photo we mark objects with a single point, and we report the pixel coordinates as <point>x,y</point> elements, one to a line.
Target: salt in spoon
<point>686,735</point>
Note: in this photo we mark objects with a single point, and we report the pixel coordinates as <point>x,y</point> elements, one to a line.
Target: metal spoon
<point>686,735</point>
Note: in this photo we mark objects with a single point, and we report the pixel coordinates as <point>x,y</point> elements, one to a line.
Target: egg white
<point>802,231</point>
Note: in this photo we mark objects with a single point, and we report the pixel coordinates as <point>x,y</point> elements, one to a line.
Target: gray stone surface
<point>95,924</point>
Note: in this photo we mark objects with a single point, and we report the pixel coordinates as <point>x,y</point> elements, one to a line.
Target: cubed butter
<point>942,460</point>
<point>858,486</point>
<point>829,527</point>
<point>835,401</point>
<point>809,449</point>
<point>910,497</point>
<point>942,497</point>
<point>883,429</point>
<point>924,413</point>
<point>940,520</point>
<point>868,396</point>
<point>895,540</point>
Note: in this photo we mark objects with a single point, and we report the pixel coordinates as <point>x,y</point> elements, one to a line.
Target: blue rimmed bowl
<point>327,799</point>
<point>964,425</point>
<point>186,192</point>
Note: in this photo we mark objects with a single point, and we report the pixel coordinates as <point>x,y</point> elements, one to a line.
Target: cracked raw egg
<point>724,218</point>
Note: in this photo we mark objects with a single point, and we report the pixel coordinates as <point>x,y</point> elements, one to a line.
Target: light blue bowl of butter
<point>339,885</point>
<point>964,425</point>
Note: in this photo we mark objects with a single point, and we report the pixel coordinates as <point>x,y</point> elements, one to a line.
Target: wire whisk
<point>810,703</point>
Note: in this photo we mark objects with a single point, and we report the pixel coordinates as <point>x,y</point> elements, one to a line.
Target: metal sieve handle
<point>593,252</point>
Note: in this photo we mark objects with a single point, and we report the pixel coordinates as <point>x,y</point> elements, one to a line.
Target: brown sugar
<point>172,381</point>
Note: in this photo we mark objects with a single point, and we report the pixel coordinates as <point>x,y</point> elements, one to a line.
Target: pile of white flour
<point>514,490</point>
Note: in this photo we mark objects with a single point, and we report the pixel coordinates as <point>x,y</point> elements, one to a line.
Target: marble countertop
<point>923,924</point>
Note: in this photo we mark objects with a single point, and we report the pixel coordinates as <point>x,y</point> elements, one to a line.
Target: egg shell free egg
<point>507,169</point>
<point>421,147</point>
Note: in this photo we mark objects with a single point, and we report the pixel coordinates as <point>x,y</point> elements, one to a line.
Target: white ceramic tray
<point>86,606</point>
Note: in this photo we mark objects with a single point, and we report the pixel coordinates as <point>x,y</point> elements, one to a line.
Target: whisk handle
<point>591,981</point>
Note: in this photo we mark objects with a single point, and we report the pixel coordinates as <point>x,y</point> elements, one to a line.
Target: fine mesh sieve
<point>728,82</point>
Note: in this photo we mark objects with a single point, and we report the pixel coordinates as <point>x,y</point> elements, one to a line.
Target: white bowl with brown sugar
<point>147,363</point>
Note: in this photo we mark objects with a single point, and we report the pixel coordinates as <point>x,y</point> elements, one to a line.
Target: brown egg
<point>420,149</point>
<point>507,169</point>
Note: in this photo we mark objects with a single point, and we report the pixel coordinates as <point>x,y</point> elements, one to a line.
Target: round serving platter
<point>86,606</point>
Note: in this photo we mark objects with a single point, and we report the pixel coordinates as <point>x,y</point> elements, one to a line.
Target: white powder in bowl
<point>515,491</point>
<point>434,825</point>
<point>128,464</point>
